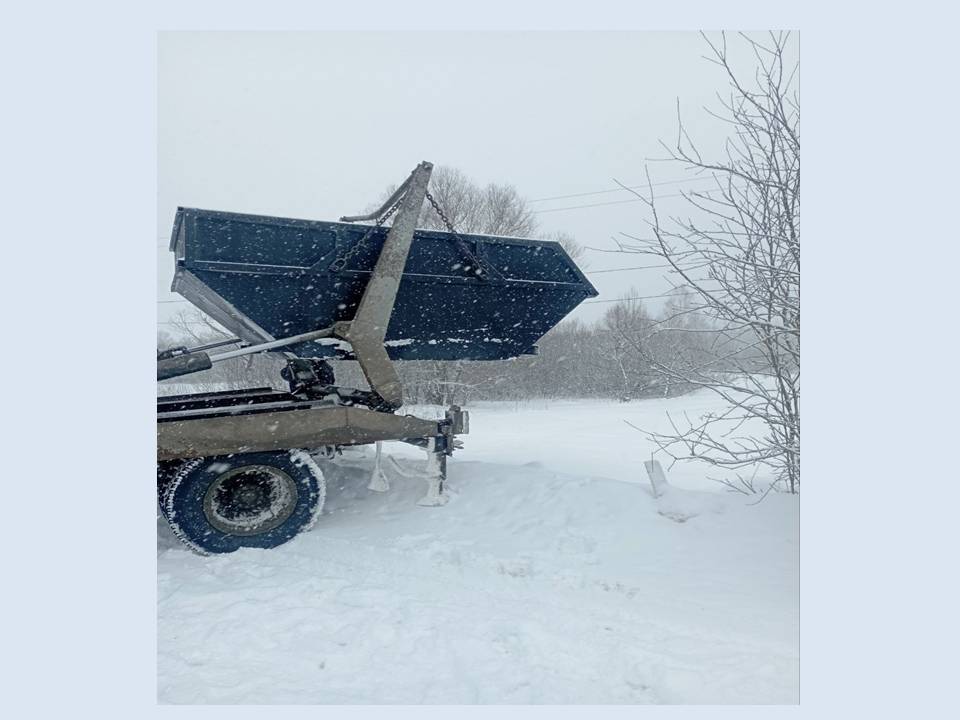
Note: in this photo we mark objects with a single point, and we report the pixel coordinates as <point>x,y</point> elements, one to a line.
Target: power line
<point>638,297</point>
<point>637,267</point>
<point>617,202</point>
<point>166,242</point>
<point>619,189</point>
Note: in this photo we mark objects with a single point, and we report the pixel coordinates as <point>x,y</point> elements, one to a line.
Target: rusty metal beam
<point>367,330</point>
<point>285,429</point>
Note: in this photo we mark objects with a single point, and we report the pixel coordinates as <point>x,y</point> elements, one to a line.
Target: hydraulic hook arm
<point>367,330</point>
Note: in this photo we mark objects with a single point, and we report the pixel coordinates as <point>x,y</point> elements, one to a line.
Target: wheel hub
<point>250,500</point>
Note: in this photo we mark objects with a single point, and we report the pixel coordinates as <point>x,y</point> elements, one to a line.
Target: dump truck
<point>238,468</point>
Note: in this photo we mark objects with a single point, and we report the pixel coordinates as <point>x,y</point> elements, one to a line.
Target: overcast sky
<point>315,125</point>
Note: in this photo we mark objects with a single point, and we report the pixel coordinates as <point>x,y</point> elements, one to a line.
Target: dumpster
<point>269,277</point>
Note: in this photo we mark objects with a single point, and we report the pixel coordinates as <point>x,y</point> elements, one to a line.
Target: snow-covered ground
<point>552,576</point>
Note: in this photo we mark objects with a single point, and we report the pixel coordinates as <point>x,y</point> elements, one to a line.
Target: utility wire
<point>166,242</point>
<point>637,267</point>
<point>617,202</point>
<point>638,297</point>
<point>620,189</point>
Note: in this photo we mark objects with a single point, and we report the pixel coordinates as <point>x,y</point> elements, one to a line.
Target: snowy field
<point>552,576</point>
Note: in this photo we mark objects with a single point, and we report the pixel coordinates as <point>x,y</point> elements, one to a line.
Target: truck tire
<point>256,500</point>
<point>166,472</point>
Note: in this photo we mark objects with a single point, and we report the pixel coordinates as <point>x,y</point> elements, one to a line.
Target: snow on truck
<point>236,468</point>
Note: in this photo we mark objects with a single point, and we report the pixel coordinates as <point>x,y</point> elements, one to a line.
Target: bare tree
<point>738,253</point>
<point>196,327</point>
<point>497,209</point>
<point>568,242</point>
<point>628,324</point>
<point>494,209</point>
<point>192,328</point>
<point>459,197</point>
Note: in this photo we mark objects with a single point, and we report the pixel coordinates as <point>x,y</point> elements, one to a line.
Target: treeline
<point>620,356</point>
<point>612,358</point>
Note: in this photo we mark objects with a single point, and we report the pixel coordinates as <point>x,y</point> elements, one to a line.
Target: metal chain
<point>443,216</point>
<point>464,248</point>
<point>341,262</point>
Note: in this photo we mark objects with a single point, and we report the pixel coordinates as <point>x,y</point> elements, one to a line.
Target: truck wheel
<point>260,500</point>
<point>166,472</point>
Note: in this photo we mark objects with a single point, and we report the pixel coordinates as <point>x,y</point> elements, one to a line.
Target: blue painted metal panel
<point>277,273</point>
